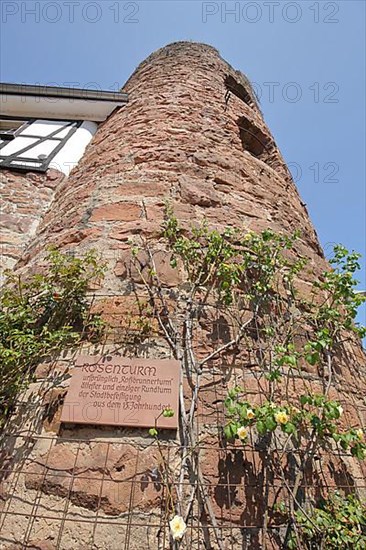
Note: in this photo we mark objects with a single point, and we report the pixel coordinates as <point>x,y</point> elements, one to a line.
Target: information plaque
<point>118,391</point>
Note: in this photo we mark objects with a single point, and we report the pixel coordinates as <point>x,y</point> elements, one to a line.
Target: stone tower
<point>192,133</point>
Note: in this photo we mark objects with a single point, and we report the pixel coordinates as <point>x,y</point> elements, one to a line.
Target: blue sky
<point>305,58</point>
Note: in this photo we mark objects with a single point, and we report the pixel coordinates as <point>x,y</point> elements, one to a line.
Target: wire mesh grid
<point>60,505</point>
<point>103,488</point>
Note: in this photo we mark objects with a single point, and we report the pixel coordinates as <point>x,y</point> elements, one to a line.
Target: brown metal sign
<point>122,392</point>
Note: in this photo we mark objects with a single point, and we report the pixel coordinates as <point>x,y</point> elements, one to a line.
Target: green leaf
<point>316,422</point>
<point>312,358</point>
<point>289,428</point>
<point>293,360</point>
<point>274,375</point>
<point>230,430</point>
<point>270,423</point>
<point>261,428</point>
<point>304,399</point>
<point>358,451</point>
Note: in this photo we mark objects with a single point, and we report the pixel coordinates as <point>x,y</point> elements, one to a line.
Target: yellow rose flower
<point>281,417</point>
<point>177,527</point>
<point>250,414</point>
<point>360,434</point>
<point>242,432</point>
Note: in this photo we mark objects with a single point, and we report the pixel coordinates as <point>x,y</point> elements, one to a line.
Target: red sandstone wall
<point>178,138</point>
<point>24,199</point>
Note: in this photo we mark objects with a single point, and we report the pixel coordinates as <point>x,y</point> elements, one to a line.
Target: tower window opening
<point>239,90</point>
<point>254,140</point>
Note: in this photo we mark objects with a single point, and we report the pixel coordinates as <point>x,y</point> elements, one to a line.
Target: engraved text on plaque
<point>124,392</point>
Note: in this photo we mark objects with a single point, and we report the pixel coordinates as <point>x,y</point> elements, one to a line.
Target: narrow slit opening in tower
<point>254,140</point>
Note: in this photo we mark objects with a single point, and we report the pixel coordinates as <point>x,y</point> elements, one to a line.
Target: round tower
<point>192,135</point>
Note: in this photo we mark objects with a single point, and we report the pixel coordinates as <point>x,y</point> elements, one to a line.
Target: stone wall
<point>25,197</point>
<point>192,133</point>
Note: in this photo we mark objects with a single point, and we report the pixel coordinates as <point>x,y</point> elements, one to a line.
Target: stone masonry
<point>193,134</point>
<point>25,197</point>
